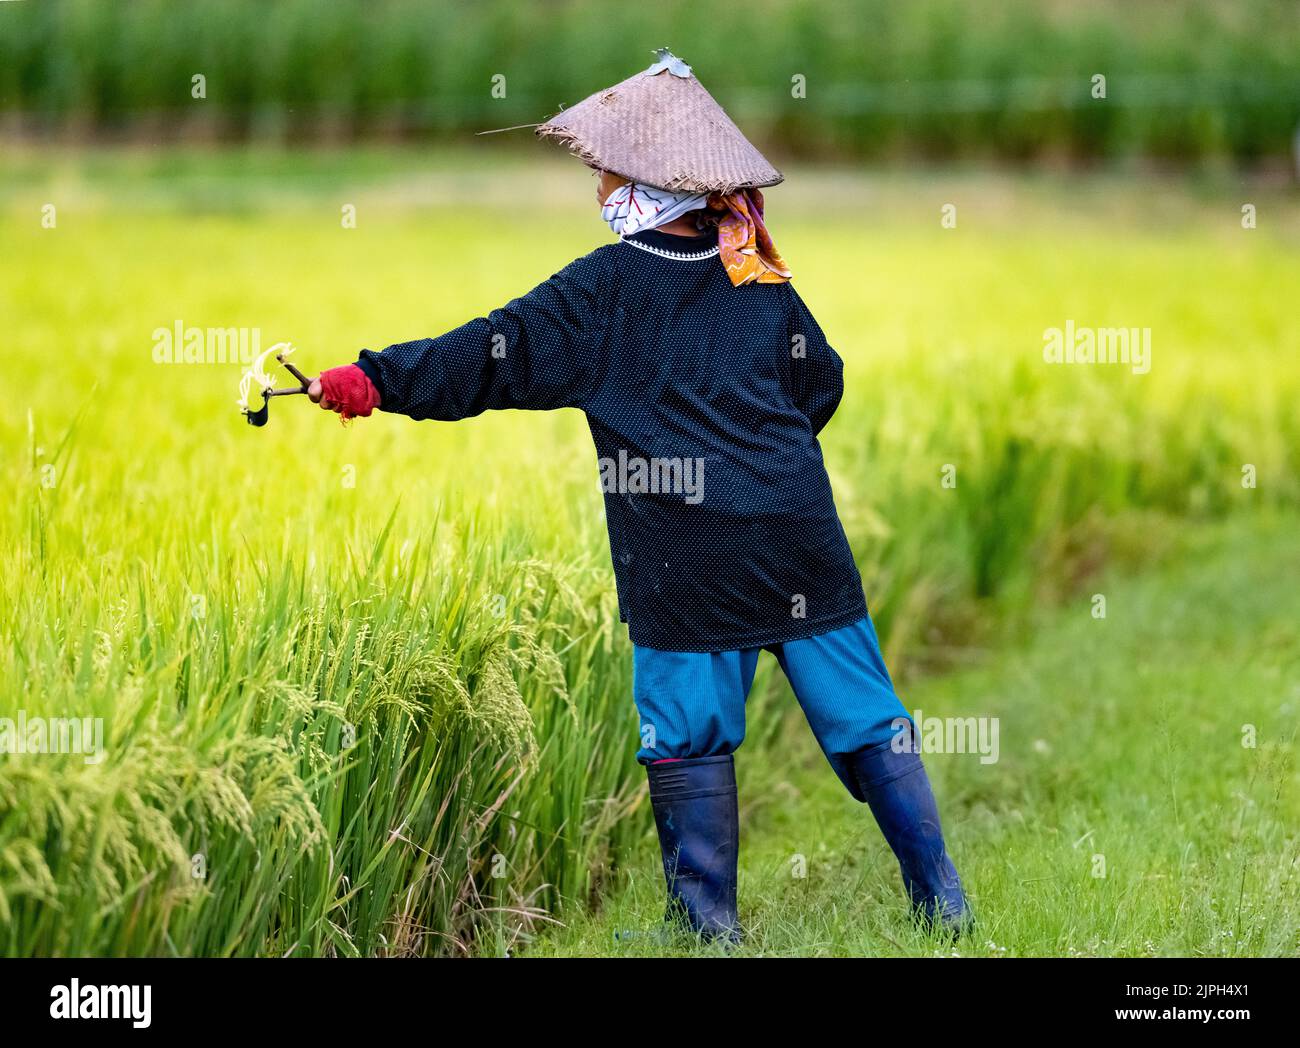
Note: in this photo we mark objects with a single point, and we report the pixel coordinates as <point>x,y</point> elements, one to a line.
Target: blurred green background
<point>1009,79</point>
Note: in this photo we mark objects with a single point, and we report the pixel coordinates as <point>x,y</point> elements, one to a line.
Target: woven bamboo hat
<point>663,129</point>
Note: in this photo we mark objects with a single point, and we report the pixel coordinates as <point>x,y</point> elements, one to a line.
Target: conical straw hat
<point>662,128</point>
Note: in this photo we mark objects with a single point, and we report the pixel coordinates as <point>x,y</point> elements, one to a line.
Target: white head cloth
<point>634,207</point>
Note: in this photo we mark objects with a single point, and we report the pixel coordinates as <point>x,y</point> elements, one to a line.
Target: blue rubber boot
<point>898,790</point>
<point>695,810</point>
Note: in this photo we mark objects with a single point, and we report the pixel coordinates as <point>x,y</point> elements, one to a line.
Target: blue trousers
<point>692,704</point>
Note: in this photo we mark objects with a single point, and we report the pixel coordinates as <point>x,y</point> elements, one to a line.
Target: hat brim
<point>662,130</point>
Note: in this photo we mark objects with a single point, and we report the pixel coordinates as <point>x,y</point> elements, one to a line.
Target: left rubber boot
<point>696,814</point>
<point>898,790</point>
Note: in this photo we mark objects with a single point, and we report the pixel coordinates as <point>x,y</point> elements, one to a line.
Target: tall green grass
<point>346,759</point>
<point>1186,81</point>
<point>369,683</point>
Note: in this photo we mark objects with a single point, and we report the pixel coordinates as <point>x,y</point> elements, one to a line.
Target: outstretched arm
<point>543,350</point>
<point>817,372</point>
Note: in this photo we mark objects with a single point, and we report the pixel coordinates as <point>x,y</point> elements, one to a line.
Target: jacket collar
<point>669,242</point>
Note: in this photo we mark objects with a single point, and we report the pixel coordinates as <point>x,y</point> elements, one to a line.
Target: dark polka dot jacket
<point>704,401</point>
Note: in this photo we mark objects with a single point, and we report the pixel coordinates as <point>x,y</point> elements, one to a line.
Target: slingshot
<point>257,374</point>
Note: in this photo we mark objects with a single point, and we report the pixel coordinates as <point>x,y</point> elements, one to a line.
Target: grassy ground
<point>1144,801</point>
<point>364,690</point>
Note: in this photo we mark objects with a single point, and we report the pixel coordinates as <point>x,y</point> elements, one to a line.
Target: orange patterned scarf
<point>744,244</point>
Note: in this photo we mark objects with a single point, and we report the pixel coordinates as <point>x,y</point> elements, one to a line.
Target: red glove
<point>349,390</point>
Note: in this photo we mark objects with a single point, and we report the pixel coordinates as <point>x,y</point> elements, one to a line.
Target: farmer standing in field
<point>705,381</point>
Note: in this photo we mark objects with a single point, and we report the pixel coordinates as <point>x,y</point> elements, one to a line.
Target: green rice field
<point>363,689</point>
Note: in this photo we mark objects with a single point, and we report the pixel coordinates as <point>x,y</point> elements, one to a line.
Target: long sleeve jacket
<point>704,401</point>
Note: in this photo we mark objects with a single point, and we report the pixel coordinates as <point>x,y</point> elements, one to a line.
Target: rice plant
<point>363,690</point>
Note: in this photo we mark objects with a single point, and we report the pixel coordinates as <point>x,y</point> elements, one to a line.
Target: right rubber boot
<point>696,813</point>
